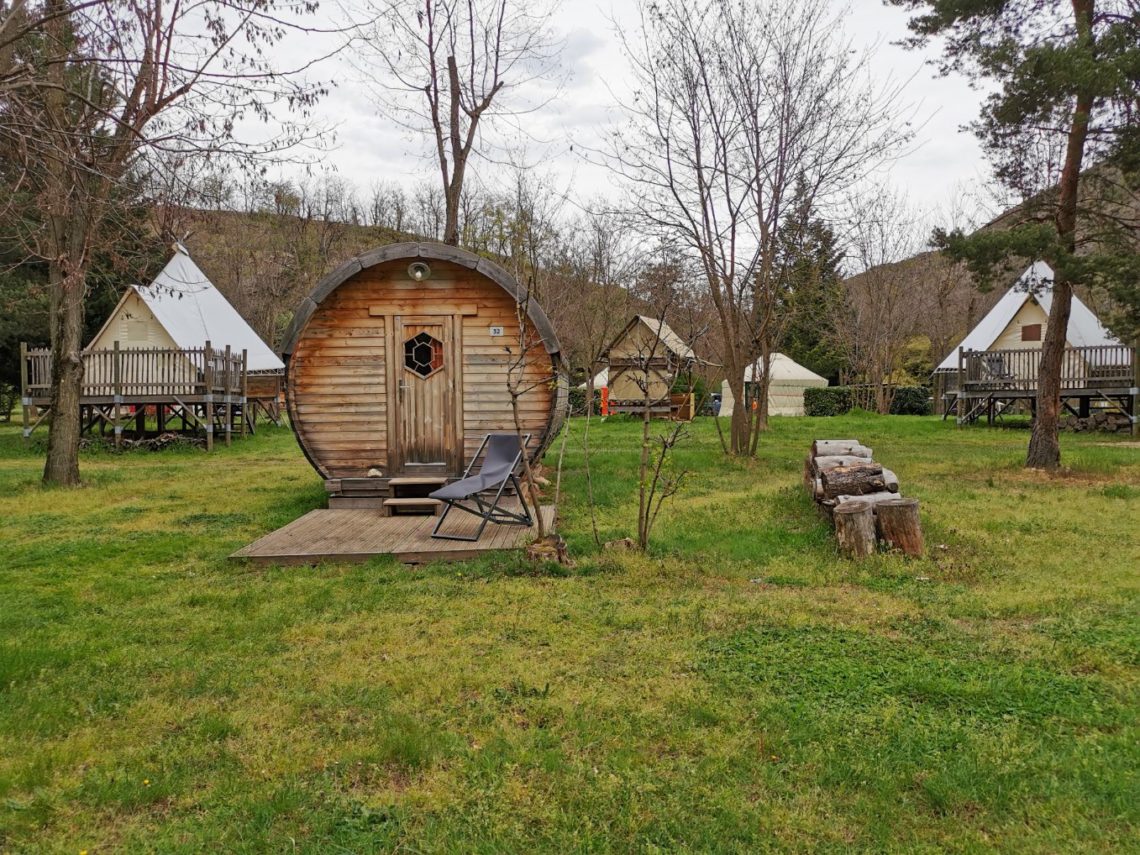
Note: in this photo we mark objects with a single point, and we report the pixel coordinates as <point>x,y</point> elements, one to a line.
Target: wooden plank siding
<point>344,371</point>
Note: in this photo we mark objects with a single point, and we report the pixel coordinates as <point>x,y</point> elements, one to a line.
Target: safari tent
<point>643,362</point>
<point>404,358</point>
<point>785,391</point>
<point>997,362</point>
<point>174,355</point>
<point>182,310</point>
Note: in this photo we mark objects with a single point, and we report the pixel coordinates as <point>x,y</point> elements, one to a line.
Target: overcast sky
<point>942,164</point>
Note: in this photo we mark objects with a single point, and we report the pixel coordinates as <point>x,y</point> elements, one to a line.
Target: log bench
<point>861,499</point>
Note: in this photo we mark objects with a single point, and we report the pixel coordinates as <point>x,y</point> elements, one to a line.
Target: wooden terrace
<point>190,390</point>
<point>1104,377</point>
<point>355,535</point>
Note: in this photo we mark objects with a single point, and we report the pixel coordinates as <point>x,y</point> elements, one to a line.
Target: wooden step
<point>417,480</point>
<point>412,503</point>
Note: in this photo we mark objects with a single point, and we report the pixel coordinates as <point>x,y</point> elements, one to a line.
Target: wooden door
<point>425,372</point>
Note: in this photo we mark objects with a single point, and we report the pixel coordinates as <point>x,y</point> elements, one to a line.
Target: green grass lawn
<point>739,689</point>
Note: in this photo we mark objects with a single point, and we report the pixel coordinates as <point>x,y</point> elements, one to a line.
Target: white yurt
<point>786,390</point>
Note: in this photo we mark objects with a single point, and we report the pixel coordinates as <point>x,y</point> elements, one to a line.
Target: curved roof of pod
<point>425,251</point>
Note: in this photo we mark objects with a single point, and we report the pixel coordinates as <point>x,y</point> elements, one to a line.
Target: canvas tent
<point>181,310</point>
<point>1018,320</point>
<point>998,361</point>
<point>601,380</point>
<point>643,361</point>
<point>785,391</point>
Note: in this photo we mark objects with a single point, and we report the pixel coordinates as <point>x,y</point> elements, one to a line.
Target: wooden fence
<point>139,374</point>
<point>204,388</point>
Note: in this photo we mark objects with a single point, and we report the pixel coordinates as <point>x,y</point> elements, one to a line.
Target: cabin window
<point>137,331</point>
<point>1031,332</point>
<point>423,354</point>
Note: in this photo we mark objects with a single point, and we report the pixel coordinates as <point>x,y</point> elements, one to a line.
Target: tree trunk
<point>739,433</point>
<point>899,525</point>
<point>644,500</point>
<point>833,447</point>
<point>869,498</point>
<point>830,461</point>
<point>853,480</point>
<point>62,464</point>
<point>855,529</point>
<point>1044,443</point>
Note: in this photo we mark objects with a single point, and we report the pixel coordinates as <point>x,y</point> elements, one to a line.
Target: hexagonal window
<point>423,354</point>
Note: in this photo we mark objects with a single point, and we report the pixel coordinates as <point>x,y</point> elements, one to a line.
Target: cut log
<point>830,461</point>
<point>855,529</point>
<point>809,475</point>
<point>892,481</point>
<point>871,498</point>
<point>899,525</point>
<point>855,480</point>
<point>817,490</point>
<point>829,447</point>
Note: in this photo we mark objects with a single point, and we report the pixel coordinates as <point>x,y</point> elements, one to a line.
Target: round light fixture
<point>419,271</point>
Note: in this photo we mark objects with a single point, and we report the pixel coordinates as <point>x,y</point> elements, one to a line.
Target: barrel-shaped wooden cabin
<point>403,359</point>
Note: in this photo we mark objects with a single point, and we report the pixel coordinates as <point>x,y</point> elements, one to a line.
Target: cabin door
<point>425,382</point>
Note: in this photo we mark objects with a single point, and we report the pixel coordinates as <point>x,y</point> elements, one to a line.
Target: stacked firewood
<point>861,499</point>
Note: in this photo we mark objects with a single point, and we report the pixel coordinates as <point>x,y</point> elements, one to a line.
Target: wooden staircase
<point>409,496</point>
<point>398,495</point>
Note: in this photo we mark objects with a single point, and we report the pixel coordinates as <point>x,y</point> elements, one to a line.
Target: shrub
<point>827,400</point>
<point>9,395</point>
<point>578,401</point>
<point>912,401</point>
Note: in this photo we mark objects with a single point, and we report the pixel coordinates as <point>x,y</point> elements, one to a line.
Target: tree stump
<point>809,474</point>
<point>852,480</point>
<point>830,461</point>
<point>899,525</point>
<point>873,499</point>
<point>829,447</point>
<point>855,529</point>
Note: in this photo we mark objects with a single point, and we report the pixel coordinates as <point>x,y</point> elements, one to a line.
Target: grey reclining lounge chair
<point>497,471</point>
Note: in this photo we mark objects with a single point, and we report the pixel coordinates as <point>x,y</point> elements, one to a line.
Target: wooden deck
<point>359,534</point>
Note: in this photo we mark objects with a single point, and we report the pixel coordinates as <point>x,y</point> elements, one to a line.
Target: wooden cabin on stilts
<point>174,356</point>
<point>995,367</point>
<point>644,363</point>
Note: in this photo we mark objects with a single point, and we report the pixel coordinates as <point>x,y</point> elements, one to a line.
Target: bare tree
<point>101,88</point>
<point>884,309</point>
<point>448,67</point>
<point>735,104</point>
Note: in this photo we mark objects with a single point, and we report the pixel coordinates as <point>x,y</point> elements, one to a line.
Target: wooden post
<point>25,398</point>
<point>117,380</point>
<point>245,413</point>
<point>229,375</point>
<point>208,379</point>
<point>1136,389</point>
<point>899,525</point>
<point>855,529</point>
<point>961,387</point>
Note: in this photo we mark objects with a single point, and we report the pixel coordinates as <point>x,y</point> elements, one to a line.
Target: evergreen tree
<point>812,290</point>
<point>1060,130</point>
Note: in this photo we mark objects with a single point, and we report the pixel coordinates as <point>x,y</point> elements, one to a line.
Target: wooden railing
<point>1098,367</point>
<point>135,374</point>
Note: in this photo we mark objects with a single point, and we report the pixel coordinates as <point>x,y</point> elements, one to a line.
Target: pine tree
<point>1060,130</point>
<point>812,290</point>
